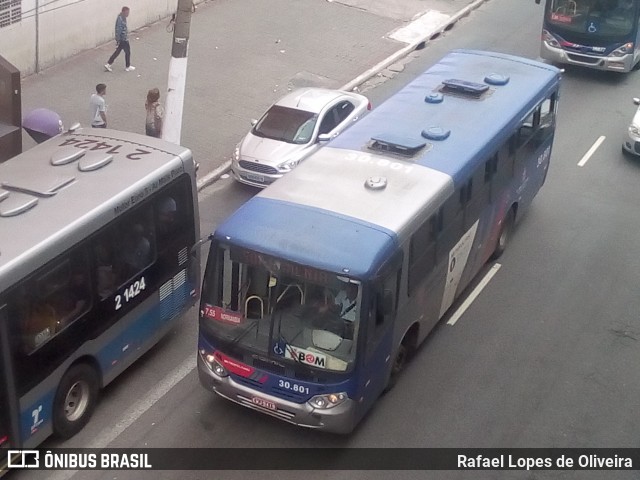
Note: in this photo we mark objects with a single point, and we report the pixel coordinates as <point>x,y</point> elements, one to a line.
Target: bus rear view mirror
<point>387,302</point>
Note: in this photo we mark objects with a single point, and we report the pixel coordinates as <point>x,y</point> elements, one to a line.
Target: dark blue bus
<point>318,290</point>
<point>600,34</point>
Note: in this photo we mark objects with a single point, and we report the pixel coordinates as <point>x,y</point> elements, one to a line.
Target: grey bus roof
<point>61,191</point>
<point>364,185</point>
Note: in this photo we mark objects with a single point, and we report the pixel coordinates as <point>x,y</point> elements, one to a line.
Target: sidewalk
<point>243,55</point>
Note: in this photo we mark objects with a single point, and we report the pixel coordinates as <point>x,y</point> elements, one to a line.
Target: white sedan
<point>631,143</point>
<point>292,129</point>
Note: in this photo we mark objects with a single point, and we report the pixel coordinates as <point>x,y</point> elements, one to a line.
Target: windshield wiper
<point>243,333</point>
<point>281,337</point>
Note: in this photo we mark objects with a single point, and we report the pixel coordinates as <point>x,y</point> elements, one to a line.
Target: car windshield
<point>286,125</point>
<point>604,19</point>
<point>281,310</point>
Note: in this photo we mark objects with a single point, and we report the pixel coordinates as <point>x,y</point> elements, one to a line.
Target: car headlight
<point>625,49</point>
<point>236,153</point>
<point>213,364</point>
<point>550,39</point>
<point>288,166</point>
<point>329,400</point>
<point>634,130</point>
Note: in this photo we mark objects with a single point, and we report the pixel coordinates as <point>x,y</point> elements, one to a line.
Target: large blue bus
<point>318,290</point>
<point>600,34</point>
<point>96,233</point>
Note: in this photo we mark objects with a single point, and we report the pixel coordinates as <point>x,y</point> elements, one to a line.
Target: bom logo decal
<point>305,356</point>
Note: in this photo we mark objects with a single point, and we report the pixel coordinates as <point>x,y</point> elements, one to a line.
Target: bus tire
<point>399,362</point>
<point>75,400</point>
<point>505,233</point>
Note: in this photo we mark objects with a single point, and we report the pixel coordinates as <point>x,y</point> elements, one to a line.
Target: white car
<point>631,143</point>
<point>292,129</point>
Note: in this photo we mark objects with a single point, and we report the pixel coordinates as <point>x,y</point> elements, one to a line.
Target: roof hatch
<point>464,88</point>
<point>389,143</point>
<point>15,203</point>
<point>40,187</point>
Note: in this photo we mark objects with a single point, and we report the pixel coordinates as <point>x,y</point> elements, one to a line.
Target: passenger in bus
<point>105,274</point>
<point>76,299</point>
<point>624,9</point>
<point>346,300</point>
<point>338,316</point>
<point>166,217</point>
<point>138,249</point>
<point>38,320</point>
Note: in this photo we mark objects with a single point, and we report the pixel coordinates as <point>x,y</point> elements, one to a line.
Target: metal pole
<point>174,105</point>
<point>37,66</point>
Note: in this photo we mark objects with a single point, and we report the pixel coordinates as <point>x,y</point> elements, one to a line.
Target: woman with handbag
<point>155,114</point>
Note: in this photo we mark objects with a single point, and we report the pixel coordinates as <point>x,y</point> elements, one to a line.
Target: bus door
<point>9,437</point>
<point>379,317</point>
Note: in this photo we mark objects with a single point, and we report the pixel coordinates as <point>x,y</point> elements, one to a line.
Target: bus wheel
<point>505,233</point>
<point>399,362</point>
<point>75,400</point>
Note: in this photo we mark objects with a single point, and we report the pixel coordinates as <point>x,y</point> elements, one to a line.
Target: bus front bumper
<point>338,419</point>
<point>559,55</point>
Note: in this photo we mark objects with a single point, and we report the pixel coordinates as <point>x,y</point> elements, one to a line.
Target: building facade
<point>36,34</point>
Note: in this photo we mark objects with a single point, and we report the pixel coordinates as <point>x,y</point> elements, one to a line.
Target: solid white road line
<point>590,152</point>
<point>108,435</point>
<point>474,294</point>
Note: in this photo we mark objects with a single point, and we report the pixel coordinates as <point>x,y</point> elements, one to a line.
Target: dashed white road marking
<point>474,294</point>
<point>591,151</point>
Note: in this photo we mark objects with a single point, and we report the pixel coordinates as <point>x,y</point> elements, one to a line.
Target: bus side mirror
<point>196,247</point>
<point>538,2</point>
<point>387,303</point>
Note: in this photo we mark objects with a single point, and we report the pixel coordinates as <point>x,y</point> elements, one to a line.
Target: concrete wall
<point>66,27</point>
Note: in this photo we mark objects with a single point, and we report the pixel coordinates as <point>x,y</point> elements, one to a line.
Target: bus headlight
<point>625,49</point>
<point>213,364</point>
<point>550,39</point>
<point>329,400</point>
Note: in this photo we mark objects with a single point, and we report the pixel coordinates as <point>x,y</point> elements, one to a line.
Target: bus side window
<point>504,167</point>
<point>478,195</point>
<point>124,250</point>
<point>452,223</point>
<point>382,309</point>
<point>527,129</point>
<point>422,253</point>
<point>172,215</point>
<point>53,300</point>
<point>548,111</point>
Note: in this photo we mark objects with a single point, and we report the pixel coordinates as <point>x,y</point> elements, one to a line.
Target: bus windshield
<point>292,313</point>
<point>605,19</point>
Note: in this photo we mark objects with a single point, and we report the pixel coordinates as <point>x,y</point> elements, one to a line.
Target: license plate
<point>261,402</point>
<point>254,177</point>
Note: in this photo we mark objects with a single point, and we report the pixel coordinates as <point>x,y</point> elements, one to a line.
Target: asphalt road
<point>546,356</point>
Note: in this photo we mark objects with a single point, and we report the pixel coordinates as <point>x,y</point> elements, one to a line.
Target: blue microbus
<point>318,290</point>
<point>600,34</point>
<point>96,234</point>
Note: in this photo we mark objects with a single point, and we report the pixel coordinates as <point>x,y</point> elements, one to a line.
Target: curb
<point>403,52</point>
<point>215,175</point>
